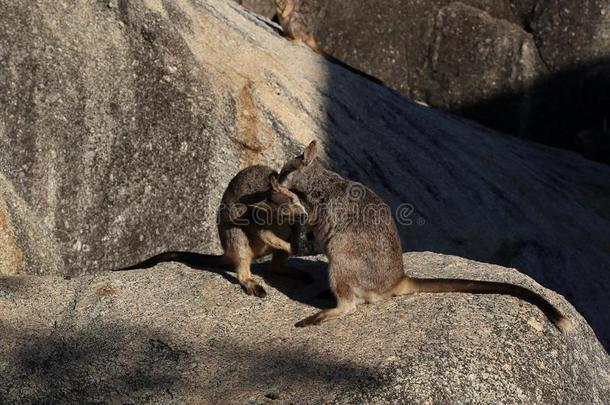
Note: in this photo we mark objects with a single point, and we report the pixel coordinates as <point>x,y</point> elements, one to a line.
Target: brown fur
<point>256,218</point>
<point>356,231</point>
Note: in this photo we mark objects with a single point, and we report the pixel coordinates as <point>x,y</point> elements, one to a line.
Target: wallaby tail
<point>439,285</point>
<point>195,260</point>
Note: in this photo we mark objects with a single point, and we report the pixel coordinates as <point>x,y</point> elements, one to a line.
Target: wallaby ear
<point>310,152</point>
<point>275,185</point>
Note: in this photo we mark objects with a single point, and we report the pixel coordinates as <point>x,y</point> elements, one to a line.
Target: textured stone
<point>572,33</point>
<point>171,334</point>
<point>121,127</point>
<point>500,57</point>
<point>26,246</point>
<point>265,8</point>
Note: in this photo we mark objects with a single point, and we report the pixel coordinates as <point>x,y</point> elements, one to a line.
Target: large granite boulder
<point>121,123</point>
<point>172,334</point>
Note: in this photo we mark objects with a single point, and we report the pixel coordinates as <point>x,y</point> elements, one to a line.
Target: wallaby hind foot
<point>244,275</point>
<point>343,308</point>
<point>247,282</point>
<point>346,304</point>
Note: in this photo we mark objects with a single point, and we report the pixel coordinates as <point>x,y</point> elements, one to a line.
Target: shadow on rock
<point>109,362</point>
<point>569,110</point>
<point>116,363</point>
<point>305,281</point>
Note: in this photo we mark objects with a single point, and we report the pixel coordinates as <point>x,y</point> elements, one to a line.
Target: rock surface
<point>26,245</point>
<point>121,126</point>
<point>172,334</point>
<point>500,62</point>
<point>266,8</point>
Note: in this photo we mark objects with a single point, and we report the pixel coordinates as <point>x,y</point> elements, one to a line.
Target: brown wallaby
<point>356,231</point>
<point>256,217</point>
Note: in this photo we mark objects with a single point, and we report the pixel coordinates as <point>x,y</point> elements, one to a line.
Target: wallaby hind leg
<point>346,304</point>
<point>244,275</point>
<point>242,259</point>
<point>237,248</point>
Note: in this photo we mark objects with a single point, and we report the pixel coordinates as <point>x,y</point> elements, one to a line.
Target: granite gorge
<point>363,246</point>
<point>256,217</point>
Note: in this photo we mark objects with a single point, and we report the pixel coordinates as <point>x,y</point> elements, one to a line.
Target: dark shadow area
<point>568,110</point>
<point>85,366</point>
<point>314,292</point>
<point>119,363</point>
<point>310,375</point>
<point>10,284</point>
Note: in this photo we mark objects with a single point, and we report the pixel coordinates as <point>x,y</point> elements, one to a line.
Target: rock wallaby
<point>356,231</point>
<point>256,217</point>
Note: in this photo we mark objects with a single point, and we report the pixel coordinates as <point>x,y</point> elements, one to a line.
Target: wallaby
<point>256,217</point>
<point>356,231</point>
<point>296,19</point>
